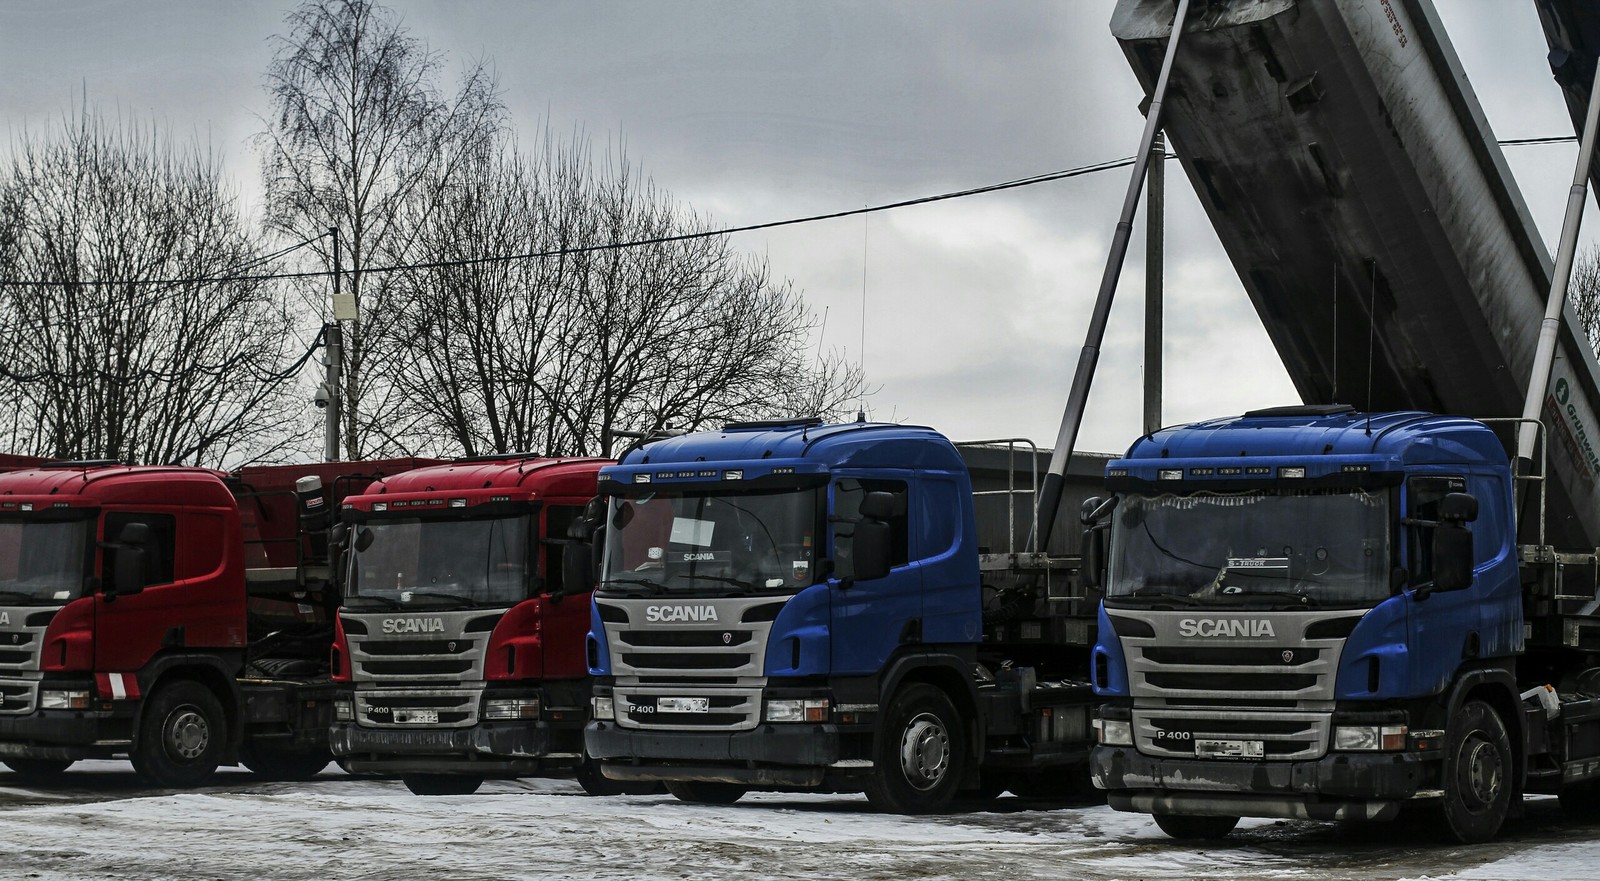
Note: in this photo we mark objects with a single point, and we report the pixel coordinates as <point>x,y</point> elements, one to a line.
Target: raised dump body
<point>1361,195</point>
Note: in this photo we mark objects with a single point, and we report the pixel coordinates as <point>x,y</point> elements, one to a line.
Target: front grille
<point>721,659</point>
<point>447,656</point>
<point>18,697</point>
<point>1281,735</point>
<point>727,708</point>
<point>1273,690</point>
<point>19,647</point>
<point>453,708</point>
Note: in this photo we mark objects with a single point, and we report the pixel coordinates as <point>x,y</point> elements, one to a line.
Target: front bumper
<point>487,748</point>
<point>775,755</point>
<point>67,734</point>
<point>1339,786</point>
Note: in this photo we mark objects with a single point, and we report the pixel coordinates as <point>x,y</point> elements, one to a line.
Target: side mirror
<point>577,566</point>
<point>127,560</point>
<point>364,539</point>
<point>1458,508</point>
<point>1092,565</point>
<point>870,548</point>
<point>1452,555</point>
<point>339,535</point>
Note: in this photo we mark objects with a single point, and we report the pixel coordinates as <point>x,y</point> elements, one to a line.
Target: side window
<point>556,520</point>
<point>847,495</point>
<point>1423,495</point>
<point>159,547</point>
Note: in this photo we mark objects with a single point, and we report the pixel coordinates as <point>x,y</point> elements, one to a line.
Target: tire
<point>597,784</point>
<point>706,793</point>
<point>920,753</point>
<point>442,784</point>
<point>1477,774</point>
<point>181,736</point>
<point>39,770</point>
<point>274,762</point>
<point>1196,828</point>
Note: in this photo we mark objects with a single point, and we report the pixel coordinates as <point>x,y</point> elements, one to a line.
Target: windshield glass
<point>712,544</point>
<point>1255,549</point>
<point>42,562</point>
<point>433,562</point>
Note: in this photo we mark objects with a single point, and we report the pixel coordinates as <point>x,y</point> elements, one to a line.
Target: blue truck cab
<point>1316,613</point>
<point>792,605</point>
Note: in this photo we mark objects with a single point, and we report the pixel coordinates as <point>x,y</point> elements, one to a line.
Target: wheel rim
<point>925,751</point>
<point>187,733</point>
<point>1482,772</point>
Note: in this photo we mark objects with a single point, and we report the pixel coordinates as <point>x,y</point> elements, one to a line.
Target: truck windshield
<point>42,562</point>
<point>461,563</point>
<point>738,543</point>
<point>1251,549</point>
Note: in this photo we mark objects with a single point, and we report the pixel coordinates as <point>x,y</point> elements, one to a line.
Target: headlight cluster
<point>1113,732</point>
<point>797,710</point>
<point>602,709</point>
<point>343,710</point>
<point>511,708</point>
<point>1369,738</point>
<point>63,700</point>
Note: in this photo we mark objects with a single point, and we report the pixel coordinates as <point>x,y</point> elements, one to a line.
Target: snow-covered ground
<point>102,824</point>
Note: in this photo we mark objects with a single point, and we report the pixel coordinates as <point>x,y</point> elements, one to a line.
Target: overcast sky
<point>975,309</point>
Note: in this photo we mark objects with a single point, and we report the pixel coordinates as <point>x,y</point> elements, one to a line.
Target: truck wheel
<point>920,753</point>
<point>701,792</point>
<point>1196,828</point>
<point>181,735</point>
<point>1477,773</point>
<point>278,763</point>
<point>39,770</point>
<point>595,783</point>
<point>442,784</point>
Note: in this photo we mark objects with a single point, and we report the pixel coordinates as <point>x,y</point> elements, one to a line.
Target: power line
<point>1032,180</point>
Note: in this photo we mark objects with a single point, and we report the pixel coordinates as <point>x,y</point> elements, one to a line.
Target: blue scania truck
<point>1315,613</point>
<point>792,605</point>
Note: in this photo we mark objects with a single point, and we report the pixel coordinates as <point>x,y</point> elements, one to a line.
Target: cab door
<point>870,619</point>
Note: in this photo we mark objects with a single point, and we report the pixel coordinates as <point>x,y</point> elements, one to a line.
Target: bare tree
<point>112,341</point>
<point>560,353</point>
<point>358,124</point>
<point>1584,292</point>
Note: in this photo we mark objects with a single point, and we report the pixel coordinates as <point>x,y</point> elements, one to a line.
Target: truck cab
<point>178,616</point>
<point>460,647</point>
<point>788,604</point>
<point>1313,613</point>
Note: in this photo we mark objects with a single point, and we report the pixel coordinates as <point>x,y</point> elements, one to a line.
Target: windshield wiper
<point>1159,593</point>
<point>736,582</point>
<point>30,599</point>
<point>382,601</point>
<point>637,585</point>
<point>1300,599</point>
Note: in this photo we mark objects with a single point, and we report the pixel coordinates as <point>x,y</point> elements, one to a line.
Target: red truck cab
<point>461,650</point>
<point>178,616</point>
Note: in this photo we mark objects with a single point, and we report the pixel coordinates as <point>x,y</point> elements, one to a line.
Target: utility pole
<point>1154,259</point>
<point>333,358</point>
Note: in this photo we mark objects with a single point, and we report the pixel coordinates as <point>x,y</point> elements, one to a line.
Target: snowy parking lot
<point>101,823</point>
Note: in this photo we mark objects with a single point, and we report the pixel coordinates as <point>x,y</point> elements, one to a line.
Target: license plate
<point>683,705</point>
<point>416,717</point>
<point>1229,749</point>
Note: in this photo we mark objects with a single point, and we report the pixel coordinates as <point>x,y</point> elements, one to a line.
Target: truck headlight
<point>511,708</point>
<point>1113,732</point>
<point>1369,738</point>
<point>343,710</point>
<point>807,710</point>
<point>602,709</point>
<point>63,700</point>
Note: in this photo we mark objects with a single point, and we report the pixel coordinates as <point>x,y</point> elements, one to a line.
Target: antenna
<point>861,354</point>
<point>1334,397</point>
<point>1372,335</point>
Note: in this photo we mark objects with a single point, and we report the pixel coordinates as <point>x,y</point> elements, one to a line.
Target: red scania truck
<point>181,617</point>
<point>460,648</point>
